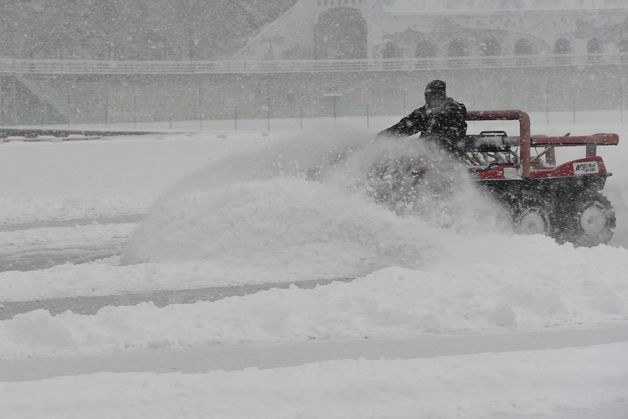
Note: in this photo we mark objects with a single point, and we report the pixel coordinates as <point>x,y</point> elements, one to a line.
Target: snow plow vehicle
<point>564,201</point>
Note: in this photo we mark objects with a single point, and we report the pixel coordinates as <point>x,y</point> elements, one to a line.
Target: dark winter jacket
<point>446,122</point>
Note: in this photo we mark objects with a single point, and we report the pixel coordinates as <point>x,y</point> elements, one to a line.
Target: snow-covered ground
<point>223,208</point>
<point>566,383</point>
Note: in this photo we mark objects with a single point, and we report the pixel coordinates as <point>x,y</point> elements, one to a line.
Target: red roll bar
<point>595,139</point>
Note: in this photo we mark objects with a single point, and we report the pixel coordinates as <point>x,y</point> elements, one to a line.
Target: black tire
<point>531,216</point>
<point>592,222</point>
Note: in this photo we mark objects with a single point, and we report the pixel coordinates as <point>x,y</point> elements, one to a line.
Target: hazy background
<point>131,29</point>
<point>97,63</point>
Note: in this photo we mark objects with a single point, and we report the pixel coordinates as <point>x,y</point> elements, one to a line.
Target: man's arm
<point>410,125</point>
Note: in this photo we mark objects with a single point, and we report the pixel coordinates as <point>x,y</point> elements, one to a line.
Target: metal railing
<point>83,67</point>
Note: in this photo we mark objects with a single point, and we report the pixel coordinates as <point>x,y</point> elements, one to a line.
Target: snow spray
<point>340,199</point>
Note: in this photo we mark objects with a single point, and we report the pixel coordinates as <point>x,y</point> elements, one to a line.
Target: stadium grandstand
<point>127,60</point>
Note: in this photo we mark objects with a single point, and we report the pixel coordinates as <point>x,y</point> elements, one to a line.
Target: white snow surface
<point>251,209</point>
<point>467,387</point>
<point>392,302</point>
<point>111,176</point>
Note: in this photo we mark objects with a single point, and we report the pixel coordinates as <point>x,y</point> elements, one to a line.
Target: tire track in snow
<point>161,298</point>
<point>72,222</point>
<point>22,250</point>
<point>267,356</point>
<point>44,258</point>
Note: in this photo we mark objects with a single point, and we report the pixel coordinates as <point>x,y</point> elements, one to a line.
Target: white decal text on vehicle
<point>585,168</point>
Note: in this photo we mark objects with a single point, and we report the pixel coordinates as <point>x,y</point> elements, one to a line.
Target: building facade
<point>354,57</point>
<point>408,29</point>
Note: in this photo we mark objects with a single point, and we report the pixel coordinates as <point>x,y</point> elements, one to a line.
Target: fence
<point>144,92</point>
<point>365,120</point>
<point>86,67</point>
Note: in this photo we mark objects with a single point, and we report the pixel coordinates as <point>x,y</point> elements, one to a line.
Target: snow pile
<point>100,278</point>
<point>391,302</point>
<point>528,255</point>
<point>506,385</point>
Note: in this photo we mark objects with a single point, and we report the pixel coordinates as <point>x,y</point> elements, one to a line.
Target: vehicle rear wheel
<point>593,221</point>
<point>531,217</point>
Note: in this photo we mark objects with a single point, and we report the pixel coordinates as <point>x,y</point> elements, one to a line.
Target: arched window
<point>457,48</point>
<point>490,46</point>
<point>525,47</point>
<point>563,46</point>
<point>595,46</point>
<point>340,33</point>
<point>425,49</point>
<point>390,51</point>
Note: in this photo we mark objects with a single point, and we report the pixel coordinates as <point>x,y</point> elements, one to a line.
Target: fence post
<point>621,99</point>
<point>106,104</point>
<point>69,102</point>
<point>2,115</point>
<point>235,117</point>
<point>134,108</point>
<point>301,118</point>
<point>200,106</point>
<point>368,116</point>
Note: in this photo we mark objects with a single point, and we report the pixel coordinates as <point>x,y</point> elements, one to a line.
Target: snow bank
<point>101,278</point>
<point>507,385</point>
<point>529,256</point>
<point>392,302</point>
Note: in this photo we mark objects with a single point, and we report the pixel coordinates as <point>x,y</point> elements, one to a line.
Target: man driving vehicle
<point>441,119</point>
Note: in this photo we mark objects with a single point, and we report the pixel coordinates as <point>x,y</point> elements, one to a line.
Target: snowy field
<point>448,313</point>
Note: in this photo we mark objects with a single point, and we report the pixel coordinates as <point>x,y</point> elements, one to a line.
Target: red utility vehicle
<point>564,200</point>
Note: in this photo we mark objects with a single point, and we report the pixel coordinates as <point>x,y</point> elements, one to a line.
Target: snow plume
<point>339,200</point>
<point>416,178</point>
